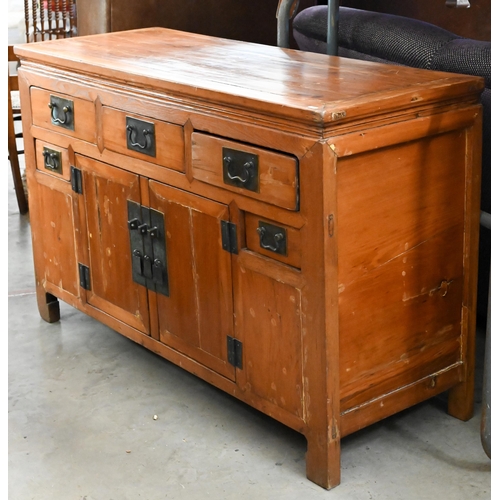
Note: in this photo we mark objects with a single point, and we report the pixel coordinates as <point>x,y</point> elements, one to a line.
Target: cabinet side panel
<point>400,230</point>
<point>268,323</point>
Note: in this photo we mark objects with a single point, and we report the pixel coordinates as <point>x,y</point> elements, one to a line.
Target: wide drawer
<point>63,114</point>
<point>256,172</point>
<point>141,137</point>
<point>53,160</point>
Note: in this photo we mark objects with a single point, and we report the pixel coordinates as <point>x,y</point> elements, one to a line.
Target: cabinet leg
<point>323,460</point>
<point>461,397</point>
<point>461,400</point>
<point>48,306</point>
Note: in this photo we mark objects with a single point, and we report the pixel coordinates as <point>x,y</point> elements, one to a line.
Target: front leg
<point>48,305</point>
<point>323,458</point>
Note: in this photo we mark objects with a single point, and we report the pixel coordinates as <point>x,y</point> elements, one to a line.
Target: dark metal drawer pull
<point>240,169</point>
<point>246,169</point>
<point>132,134</point>
<point>54,114</point>
<point>141,136</point>
<point>61,112</point>
<point>52,160</point>
<point>272,238</point>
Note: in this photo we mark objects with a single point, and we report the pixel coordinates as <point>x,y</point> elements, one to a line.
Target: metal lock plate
<point>240,169</point>
<point>272,238</point>
<point>52,160</point>
<point>141,136</point>
<point>62,112</point>
<point>158,239</point>
<point>148,247</point>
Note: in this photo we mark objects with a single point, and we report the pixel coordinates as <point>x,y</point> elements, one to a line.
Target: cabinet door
<point>268,319</point>
<point>54,235</point>
<point>197,315</point>
<point>106,190</point>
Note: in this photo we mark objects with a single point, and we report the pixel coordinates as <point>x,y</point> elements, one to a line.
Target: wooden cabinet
<point>296,229</point>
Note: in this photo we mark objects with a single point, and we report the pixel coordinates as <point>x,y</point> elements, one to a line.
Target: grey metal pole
<point>283,15</point>
<point>332,35</point>
<point>485,221</point>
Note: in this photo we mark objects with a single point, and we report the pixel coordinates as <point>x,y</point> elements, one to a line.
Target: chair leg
<point>22,202</point>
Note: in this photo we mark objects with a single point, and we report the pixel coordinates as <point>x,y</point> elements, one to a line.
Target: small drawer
<point>142,137</point>
<point>272,239</point>
<point>52,160</point>
<point>64,114</point>
<point>252,171</point>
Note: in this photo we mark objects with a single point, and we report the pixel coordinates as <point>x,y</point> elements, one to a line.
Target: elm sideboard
<point>296,229</point>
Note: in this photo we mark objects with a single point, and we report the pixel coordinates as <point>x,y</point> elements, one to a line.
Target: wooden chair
<point>14,113</point>
<point>49,19</point>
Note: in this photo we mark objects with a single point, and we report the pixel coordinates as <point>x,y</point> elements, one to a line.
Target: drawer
<point>249,170</point>
<point>52,160</point>
<point>64,114</point>
<point>141,137</point>
<point>273,240</point>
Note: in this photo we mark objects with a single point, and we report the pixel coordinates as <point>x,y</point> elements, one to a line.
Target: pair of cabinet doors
<point>193,310</point>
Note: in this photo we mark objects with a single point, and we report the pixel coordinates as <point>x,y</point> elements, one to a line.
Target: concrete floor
<point>80,423</point>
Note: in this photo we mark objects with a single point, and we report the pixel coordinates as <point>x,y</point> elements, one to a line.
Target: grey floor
<point>80,423</point>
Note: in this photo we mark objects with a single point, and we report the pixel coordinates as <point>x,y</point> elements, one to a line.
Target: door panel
<point>268,322</point>
<point>106,190</point>
<point>196,317</point>
<point>56,215</point>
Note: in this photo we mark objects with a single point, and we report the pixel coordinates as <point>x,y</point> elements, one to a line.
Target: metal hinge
<point>76,180</point>
<point>229,236</point>
<point>84,272</point>
<point>235,352</point>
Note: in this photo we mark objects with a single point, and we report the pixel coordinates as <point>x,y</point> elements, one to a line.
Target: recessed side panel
<point>401,273</point>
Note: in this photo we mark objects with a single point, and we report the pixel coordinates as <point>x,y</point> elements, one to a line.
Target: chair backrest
<point>14,110</point>
<point>13,61</point>
<point>49,19</point>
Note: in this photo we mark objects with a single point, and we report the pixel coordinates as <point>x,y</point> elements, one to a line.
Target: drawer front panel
<point>277,241</point>
<point>52,160</point>
<point>255,172</point>
<point>64,114</point>
<point>141,137</point>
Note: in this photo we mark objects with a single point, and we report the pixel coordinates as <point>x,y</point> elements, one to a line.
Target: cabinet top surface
<point>270,80</point>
